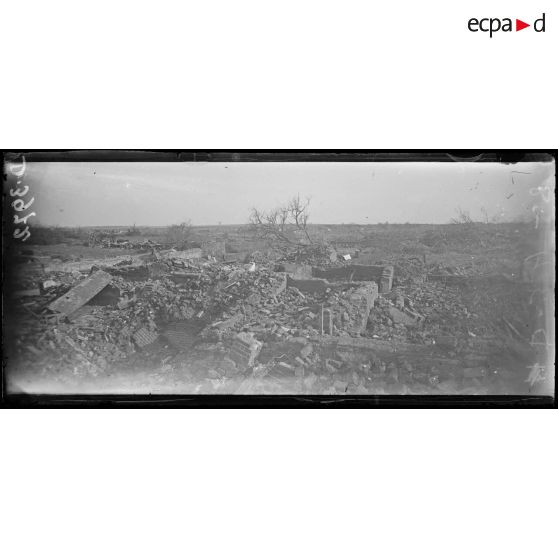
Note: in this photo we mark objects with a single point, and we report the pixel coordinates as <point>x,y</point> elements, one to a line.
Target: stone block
<point>361,302</point>
<point>400,317</point>
<point>245,350</point>
<point>297,271</point>
<point>380,274</point>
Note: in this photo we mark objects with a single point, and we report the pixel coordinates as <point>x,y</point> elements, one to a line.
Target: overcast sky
<point>71,194</point>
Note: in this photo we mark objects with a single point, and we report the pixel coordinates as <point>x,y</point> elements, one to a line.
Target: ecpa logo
<point>493,25</point>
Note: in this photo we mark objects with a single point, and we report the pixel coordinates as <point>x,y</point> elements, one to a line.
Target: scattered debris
<point>275,321</point>
<point>46,285</point>
<point>401,317</point>
<point>245,350</point>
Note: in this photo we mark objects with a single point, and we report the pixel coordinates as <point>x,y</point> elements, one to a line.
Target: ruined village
<point>279,306</point>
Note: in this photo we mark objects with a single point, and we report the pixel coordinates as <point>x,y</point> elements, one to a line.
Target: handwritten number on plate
<point>18,205</point>
<point>19,192</point>
<point>18,233</point>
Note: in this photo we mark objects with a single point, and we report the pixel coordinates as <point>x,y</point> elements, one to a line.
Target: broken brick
<point>245,350</point>
<point>144,337</point>
<point>306,351</point>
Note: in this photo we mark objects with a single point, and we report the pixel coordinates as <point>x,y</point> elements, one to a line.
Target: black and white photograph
<point>281,275</point>
<point>278,279</point>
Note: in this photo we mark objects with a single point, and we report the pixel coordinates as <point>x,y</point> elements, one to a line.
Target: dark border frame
<point>285,155</point>
<point>278,401</point>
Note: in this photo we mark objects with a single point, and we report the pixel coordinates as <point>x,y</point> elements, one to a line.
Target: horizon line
<point>39,225</point>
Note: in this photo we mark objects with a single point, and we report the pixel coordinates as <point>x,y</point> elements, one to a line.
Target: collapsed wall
<point>296,271</point>
<point>361,302</point>
<point>380,274</point>
<point>350,314</point>
<point>361,285</point>
<point>312,286</point>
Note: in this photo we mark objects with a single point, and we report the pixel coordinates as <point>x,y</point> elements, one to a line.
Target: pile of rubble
<point>286,326</point>
<point>106,312</point>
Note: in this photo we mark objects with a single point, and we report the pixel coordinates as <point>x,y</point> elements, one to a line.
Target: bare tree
<point>463,217</point>
<point>178,235</point>
<point>287,224</point>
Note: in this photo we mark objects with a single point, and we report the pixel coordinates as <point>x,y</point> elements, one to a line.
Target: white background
<point>291,74</point>
<point>259,75</point>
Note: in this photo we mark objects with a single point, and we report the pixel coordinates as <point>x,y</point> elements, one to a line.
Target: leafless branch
<point>284,224</point>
